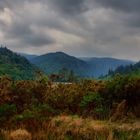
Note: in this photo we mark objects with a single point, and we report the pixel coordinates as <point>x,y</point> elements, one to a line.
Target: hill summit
<point>54,62</point>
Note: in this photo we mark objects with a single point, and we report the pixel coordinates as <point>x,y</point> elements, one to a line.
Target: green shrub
<point>92,97</point>
<point>93,102</point>
<point>7,111</point>
<point>26,115</point>
<point>43,109</point>
<point>123,88</point>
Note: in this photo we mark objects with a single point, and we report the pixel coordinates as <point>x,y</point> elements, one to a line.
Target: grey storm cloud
<point>24,32</point>
<point>39,40</point>
<point>3,3</point>
<point>123,5</point>
<point>128,8</point>
<point>69,7</point>
<point>78,27</point>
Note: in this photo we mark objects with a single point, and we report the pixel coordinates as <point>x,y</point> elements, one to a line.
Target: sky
<point>91,28</point>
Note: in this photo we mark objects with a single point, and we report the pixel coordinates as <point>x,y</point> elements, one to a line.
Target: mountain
<point>54,62</point>
<point>101,66</point>
<point>84,67</point>
<point>15,66</point>
<point>133,70</point>
<point>28,56</point>
<point>22,66</point>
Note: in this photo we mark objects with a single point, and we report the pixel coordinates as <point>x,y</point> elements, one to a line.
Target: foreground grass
<point>76,128</point>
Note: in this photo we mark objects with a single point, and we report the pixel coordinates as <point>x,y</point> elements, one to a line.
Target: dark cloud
<point>39,40</point>
<point>131,19</point>
<point>69,7</point>
<point>123,5</point>
<point>78,27</point>
<point>2,5</point>
<point>18,29</point>
<point>128,10</point>
<point>22,31</point>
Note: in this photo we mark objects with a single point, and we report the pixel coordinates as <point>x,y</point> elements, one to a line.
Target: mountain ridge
<point>89,67</point>
<point>53,62</point>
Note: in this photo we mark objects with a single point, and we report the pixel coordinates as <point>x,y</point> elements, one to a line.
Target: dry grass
<point>19,134</point>
<point>76,128</point>
<point>69,128</point>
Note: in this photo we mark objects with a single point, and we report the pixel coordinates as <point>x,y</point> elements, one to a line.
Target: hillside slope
<point>28,56</point>
<point>84,67</point>
<point>101,66</point>
<point>15,66</point>
<point>133,70</point>
<point>54,62</point>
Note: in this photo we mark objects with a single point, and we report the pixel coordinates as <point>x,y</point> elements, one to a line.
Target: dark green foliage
<point>123,88</point>
<point>91,98</point>
<point>38,112</point>
<point>15,66</point>
<point>93,102</point>
<point>7,111</point>
<point>66,75</point>
<point>43,107</point>
<point>125,135</point>
<point>26,115</point>
<point>133,70</point>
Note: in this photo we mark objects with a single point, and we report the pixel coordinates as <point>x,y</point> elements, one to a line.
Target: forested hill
<point>85,67</point>
<point>15,66</point>
<point>101,66</point>
<point>54,62</point>
<point>129,69</point>
<point>23,66</point>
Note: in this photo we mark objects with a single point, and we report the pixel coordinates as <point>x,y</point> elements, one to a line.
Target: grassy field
<point>76,128</point>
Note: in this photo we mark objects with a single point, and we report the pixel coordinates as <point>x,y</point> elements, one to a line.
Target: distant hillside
<point>54,62</point>
<point>28,56</point>
<point>16,66</point>
<point>133,70</point>
<point>101,66</point>
<point>85,67</point>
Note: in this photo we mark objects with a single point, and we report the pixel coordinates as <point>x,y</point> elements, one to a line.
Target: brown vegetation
<point>120,112</point>
<point>40,107</point>
<point>76,128</point>
<point>20,135</point>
